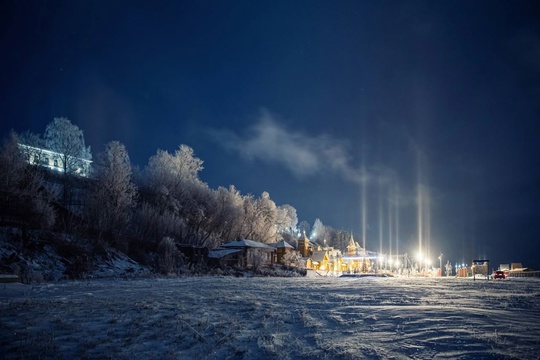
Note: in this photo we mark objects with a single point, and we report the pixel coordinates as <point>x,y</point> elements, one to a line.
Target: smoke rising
<point>302,154</point>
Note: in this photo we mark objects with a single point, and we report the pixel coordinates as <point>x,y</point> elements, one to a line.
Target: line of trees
<point>135,210</point>
<point>165,199</point>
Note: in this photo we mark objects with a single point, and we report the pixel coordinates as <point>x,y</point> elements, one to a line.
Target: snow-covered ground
<point>272,318</point>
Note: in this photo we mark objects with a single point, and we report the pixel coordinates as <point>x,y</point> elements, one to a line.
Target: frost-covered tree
<point>152,221</point>
<point>286,219</point>
<point>25,198</point>
<point>267,213</point>
<point>225,216</point>
<point>198,209</point>
<point>229,215</point>
<point>67,140</point>
<point>291,258</point>
<point>174,170</point>
<point>257,259</point>
<point>339,239</point>
<point>304,227</point>
<point>260,218</point>
<point>448,268</point>
<point>318,233</point>
<point>114,195</point>
<point>169,260</point>
<point>31,139</point>
<point>172,186</point>
<point>172,190</point>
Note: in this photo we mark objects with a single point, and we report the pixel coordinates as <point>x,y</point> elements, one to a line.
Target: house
<point>480,267</point>
<point>335,259</point>
<point>305,248</point>
<point>317,257</point>
<point>325,259</point>
<point>224,257</point>
<point>282,248</point>
<point>195,255</point>
<point>320,260</point>
<point>54,161</point>
<point>243,253</point>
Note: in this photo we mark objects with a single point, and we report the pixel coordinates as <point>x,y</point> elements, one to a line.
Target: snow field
<point>273,318</point>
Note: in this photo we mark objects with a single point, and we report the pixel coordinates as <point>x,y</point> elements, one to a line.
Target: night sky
<point>329,106</point>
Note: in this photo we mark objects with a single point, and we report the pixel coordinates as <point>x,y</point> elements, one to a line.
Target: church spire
<point>352,243</point>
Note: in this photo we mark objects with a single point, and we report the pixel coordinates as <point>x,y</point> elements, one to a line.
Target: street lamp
<point>440,262</point>
<point>419,259</point>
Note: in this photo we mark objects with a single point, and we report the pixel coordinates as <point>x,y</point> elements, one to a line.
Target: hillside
<point>50,257</point>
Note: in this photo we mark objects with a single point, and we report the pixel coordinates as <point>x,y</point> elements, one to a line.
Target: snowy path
<point>254,318</point>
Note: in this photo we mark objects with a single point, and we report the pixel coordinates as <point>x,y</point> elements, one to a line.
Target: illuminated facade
<point>357,259</point>
<point>53,160</point>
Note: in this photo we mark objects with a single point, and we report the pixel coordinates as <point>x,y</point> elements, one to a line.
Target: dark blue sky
<point>308,100</point>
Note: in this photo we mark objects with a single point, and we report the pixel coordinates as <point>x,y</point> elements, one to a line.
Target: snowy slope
<point>273,318</point>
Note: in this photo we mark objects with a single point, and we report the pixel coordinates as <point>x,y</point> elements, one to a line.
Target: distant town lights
<point>394,262</point>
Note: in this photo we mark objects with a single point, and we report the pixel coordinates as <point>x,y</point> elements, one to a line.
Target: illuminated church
<point>355,259</point>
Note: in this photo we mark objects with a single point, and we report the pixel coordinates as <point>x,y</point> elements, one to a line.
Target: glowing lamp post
<point>419,259</point>
<point>440,262</point>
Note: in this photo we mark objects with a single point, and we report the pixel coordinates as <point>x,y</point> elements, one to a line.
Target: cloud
<point>302,154</point>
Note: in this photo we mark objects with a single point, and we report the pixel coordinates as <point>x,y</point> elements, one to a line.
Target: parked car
<point>499,275</point>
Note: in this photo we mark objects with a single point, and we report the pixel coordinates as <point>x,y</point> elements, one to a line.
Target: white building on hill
<point>53,160</point>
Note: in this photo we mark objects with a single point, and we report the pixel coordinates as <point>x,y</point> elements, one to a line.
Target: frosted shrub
<point>169,260</point>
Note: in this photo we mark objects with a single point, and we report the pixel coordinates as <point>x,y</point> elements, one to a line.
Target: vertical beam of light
<point>427,223</point>
<point>390,224</point>
<point>389,221</point>
<point>423,208</point>
<point>420,215</point>
<point>396,216</point>
<point>364,185</point>
<point>364,205</point>
<point>380,218</point>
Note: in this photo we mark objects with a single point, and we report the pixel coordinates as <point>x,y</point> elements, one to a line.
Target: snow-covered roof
<point>282,244</point>
<point>246,244</point>
<point>318,256</point>
<point>219,253</point>
<point>368,255</point>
